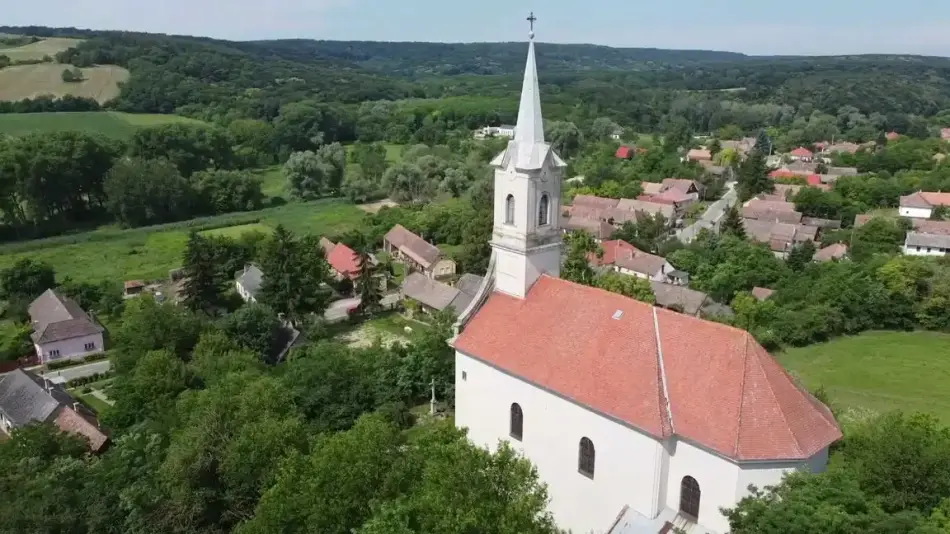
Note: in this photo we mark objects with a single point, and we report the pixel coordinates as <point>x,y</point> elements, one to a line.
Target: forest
<point>642,89</point>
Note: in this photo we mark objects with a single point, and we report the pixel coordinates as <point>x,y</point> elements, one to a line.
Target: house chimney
<point>76,406</point>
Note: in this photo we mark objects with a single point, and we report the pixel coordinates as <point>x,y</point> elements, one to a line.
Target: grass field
<point>879,371</point>
<point>149,253</point>
<point>109,123</point>
<point>235,232</point>
<point>30,81</point>
<point>46,47</point>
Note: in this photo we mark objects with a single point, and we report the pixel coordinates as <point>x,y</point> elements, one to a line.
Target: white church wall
<point>717,478</point>
<point>771,473</point>
<point>627,462</point>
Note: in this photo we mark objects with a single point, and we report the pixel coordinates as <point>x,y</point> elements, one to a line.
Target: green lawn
<point>149,253</point>
<point>394,323</point>
<point>235,232</point>
<point>274,182</point>
<point>109,123</point>
<point>91,400</point>
<point>879,371</point>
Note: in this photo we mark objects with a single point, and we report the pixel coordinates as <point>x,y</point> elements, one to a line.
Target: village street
<point>713,214</point>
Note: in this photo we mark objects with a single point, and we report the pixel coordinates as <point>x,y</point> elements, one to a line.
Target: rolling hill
<point>101,83</point>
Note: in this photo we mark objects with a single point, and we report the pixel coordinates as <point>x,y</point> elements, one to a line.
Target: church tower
<point>527,235</point>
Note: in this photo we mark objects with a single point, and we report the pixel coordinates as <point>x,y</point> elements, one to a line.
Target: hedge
<point>62,364</point>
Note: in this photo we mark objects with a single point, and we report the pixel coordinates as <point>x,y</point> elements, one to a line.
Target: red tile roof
<point>723,389</point>
<point>783,173</point>
<point>802,152</point>
<point>612,250</point>
<point>624,152</point>
<point>813,180</point>
<point>344,260</point>
<point>892,136</point>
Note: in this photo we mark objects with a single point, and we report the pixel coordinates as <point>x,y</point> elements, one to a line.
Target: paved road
<point>337,311</point>
<point>713,214</point>
<point>78,371</point>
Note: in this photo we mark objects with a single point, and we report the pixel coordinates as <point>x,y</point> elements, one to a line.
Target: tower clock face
<point>544,177</point>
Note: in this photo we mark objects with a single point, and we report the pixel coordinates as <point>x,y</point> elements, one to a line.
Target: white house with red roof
<point>638,419</point>
<point>801,154</point>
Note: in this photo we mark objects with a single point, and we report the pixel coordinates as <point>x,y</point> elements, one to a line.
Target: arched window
<point>517,421</point>
<point>543,209</point>
<point>689,497</point>
<point>510,210</point>
<point>585,458</point>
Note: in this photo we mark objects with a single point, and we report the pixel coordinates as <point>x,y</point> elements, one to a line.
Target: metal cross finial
<point>531,19</point>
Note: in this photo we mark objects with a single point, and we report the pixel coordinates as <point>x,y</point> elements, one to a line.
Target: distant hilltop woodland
<point>468,85</point>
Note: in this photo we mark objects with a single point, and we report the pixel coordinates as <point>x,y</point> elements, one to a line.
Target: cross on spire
<point>531,20</point>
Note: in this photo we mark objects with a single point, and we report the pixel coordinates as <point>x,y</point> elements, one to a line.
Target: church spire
<point>530,128</point>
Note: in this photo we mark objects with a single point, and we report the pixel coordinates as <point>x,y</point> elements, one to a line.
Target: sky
<point>759,27</point>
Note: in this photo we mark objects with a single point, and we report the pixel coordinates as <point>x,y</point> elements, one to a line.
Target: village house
<point>27,399</point>
<point>62,330</point>
<point>417,253</point>
<point>636,418</point>
<point>600,216</point>
<point>771,210</point>
<point>616,134</point>
<point>893,136</point>
<point>344,261</point>
<point>780,237</point>
<point>844,147</point>
<point>433,295</point>
<point>687,301</point>
<point>133,288</point>
<point>921,244</point>
<point>801,154</point>
<point>505,130</point>
<point>248,282</point>
<point>622,257</point>
<point>832,252</point>
<point>742,146</point>
<point>921,205</point>
<point>699,154</point>
<point>762,293</point>
<point>945,134</point>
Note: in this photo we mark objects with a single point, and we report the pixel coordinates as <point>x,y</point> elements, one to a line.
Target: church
<point>638,419</point>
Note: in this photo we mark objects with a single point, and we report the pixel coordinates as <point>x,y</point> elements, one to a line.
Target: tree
<point>147,390</point>
<point>602,128</point>
<point>646,233</point>
<point>435,482</point>
<point>294,273</point>
<point>371,158</point>
<point>763,144</point>
<point>224,452</point>
<point>565,138</point>
<point>229,191</point>
<point>189,147</point>
<point>580,245</point>
<point>308,176</point>
<point>753,176</point>
<point>204,280</point>
<point>626,285</point>
<point>72,75</point>
<point>333,157</point>
<point>25,280</point>
<point>142,192</point>
<point>715,147</point>
<point>147,325</point>
<point>877,452</point>
<point>732,224</point>
<point>405,182</point>
<point>801,256</point>
<point>256,327</point>
<point>367,285</point>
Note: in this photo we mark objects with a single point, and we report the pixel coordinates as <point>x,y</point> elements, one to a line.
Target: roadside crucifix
<point>432,400</point>
<point>531,20</point>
